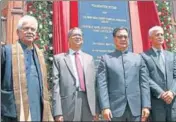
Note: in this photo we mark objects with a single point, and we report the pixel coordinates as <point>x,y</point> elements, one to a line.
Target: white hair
<point>26,18</point>
<point>154,28</point>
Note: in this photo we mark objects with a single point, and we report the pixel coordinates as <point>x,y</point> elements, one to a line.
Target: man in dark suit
<point>161,68</point>
<point>122,82</point>
<point>74,97</point>
<point>24,95</point>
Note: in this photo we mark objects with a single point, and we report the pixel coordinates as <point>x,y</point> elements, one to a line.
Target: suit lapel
<point>154,58</point>
<point>69,64</point>
<point>85,61</point>
<point>167,62</point>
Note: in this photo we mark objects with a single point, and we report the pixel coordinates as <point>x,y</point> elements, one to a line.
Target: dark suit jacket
<point>160,82</point>
<point>8,107</point>
<point>122,78</point>
<point>64,89</point>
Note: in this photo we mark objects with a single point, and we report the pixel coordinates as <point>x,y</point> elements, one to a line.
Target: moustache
<point>30,34</point>
<point>160,40</point>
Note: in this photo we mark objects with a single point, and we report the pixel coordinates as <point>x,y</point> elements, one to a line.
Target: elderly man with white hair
<point>161,68</point>
<point>24,94</point>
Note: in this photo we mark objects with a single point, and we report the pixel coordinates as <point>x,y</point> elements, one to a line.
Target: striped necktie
<point>80,71</point>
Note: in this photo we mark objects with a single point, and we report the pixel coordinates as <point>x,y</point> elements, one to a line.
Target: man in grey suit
<point>74,97</point>
<point>161,68</point>
<point>122,82</point>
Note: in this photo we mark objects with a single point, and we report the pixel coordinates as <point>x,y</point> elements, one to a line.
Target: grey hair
<point>26,18</point>
<point>72,29</point>
<point>154,28</point>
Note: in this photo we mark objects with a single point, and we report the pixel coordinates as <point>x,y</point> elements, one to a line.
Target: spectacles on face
<point>76,35</point>
<point>122,36</point>
<point>29,28</point>
<point>159,34</point>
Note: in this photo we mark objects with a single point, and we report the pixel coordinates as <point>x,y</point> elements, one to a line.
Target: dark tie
<point>161,61</point>
<point>80,71</point>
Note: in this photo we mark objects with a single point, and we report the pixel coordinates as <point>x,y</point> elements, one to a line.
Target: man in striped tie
<point>74,97</point>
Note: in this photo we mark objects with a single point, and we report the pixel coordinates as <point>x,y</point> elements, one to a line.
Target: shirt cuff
<point>159,96</point>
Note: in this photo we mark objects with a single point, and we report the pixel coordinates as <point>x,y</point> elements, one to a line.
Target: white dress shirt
<point>162,53</point>
<point>72,57</point>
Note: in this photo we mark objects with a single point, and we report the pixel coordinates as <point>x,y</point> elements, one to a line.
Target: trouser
<point>166,113</point>
<point>8,119</point>
<point>127,116</point>
<point>82,110</point>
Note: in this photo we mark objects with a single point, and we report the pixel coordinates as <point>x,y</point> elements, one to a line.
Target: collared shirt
<point>33,83</point>
<point>125,51</point>
<point>72,57</point>
<point>162,53</point>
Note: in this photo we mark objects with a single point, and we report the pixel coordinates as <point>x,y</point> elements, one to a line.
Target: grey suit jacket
<point>122,78</point>
<point>160,82</point>
<point>64,89</point>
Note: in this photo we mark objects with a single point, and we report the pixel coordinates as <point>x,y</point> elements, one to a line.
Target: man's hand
<point>107,115</point>
<point>59,118</point>
<point>3,43</point>
<point>168,96</point>
<point>96,117</point>
<point>145,114</point>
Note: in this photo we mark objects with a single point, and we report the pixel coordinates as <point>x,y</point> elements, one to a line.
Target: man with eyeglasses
<point>24,93</point>
<point>162,71</point>
<point>74,96</point>
<point>122,83</point>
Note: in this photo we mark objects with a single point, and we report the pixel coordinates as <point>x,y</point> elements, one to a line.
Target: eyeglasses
<point>159,34</point>
<point>76,35</point>
<point>27,28</point>
<point>122,36</point>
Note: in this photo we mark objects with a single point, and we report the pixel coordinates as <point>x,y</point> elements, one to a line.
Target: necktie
<point>80,71</point>
<point>161,61</point>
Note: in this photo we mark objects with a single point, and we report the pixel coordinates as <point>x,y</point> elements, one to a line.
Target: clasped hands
<point>167,96</point>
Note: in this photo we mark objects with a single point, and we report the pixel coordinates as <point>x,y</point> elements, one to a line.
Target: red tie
<point>80,71</point>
